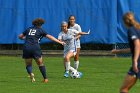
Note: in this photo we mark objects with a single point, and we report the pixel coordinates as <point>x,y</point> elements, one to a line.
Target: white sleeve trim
<point>134,37</point>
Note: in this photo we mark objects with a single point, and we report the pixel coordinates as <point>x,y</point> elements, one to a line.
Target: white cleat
<point>32,77</point>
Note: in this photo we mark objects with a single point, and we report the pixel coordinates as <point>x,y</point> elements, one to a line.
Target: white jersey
<point>78,28</point>
<point>70,39</point>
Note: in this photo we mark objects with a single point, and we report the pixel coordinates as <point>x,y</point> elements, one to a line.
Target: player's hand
<point>63,43</point>
<point>23,38</point>
<point>88,31</point>
<point>77,38</point>
<point>135,67</point>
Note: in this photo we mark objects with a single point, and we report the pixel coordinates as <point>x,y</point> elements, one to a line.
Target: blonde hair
<point>126,19</point>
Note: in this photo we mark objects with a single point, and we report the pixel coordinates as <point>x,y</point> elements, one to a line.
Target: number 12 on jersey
<point>32,32</point>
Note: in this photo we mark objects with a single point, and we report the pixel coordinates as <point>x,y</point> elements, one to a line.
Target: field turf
<point>101,75</point>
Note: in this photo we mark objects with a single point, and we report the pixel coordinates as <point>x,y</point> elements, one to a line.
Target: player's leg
<point>129,81</point>
<point>76,59</point>
<point>29,68</point>
<point>64,64</point>
<point>42,68</point>
<point>67,63</point>
<point>37,55</point>
<point>28,60</point>
<point>29,65</point>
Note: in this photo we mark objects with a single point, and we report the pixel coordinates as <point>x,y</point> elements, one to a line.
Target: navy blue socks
<point>43,71</point>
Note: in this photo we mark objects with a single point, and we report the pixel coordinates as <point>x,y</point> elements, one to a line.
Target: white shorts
<point>66,52</point>
<point>78,45</point>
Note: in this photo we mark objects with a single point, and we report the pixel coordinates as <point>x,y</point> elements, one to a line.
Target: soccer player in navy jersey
<point>32,50</point>
<point>134,42</point>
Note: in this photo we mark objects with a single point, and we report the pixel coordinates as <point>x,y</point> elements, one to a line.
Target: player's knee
<point>40,63</point>
<point>67,58</point>
<point>76,58</point>
<point>28,64</point>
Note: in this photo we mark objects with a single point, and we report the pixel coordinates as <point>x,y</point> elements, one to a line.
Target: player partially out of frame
<point>69,37</point>
<point>134,42</point>
<point>75,26</point>
<point>31,48</point>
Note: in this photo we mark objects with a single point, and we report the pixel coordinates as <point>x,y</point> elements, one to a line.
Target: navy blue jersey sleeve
<point>24,32</point>
<point>43,33</point>
<point>133,34</point>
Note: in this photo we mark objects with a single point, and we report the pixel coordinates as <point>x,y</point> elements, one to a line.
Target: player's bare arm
<point>120,51</point>
<point>136,55</point>
<point>54,39</point>
<point>84,33</point>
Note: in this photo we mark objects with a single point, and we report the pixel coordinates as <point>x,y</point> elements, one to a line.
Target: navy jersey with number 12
<point>33,35</point>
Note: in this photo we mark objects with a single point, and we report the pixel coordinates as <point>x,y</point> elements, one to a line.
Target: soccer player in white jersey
<point>69,37</point>
<point>73,25</point>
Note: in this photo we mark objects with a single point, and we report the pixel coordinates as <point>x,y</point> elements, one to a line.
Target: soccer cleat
<point>45,81</point>
<point>66,74</point>
<point>80,74</point>
<point>32,77</point>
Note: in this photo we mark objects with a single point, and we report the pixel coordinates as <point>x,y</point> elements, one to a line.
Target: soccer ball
<point>74,74</point>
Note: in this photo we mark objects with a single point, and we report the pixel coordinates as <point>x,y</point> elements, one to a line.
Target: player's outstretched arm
<point>120,51</point>
<point>54,39</point>
<point>21,36</point>
<point>84,33</point>
<point>136,55</point>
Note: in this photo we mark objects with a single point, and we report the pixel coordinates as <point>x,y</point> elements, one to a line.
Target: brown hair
<point>38,22</point>
<point>126,19</point>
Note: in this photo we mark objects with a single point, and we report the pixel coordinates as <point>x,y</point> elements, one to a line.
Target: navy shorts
<point>32,52</point>
<point>132,73</point>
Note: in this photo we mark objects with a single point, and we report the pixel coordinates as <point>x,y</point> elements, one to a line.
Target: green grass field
<point>101,75</point>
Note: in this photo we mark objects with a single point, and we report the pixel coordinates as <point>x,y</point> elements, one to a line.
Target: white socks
<point>67,64</point>
<point>76,64</point>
